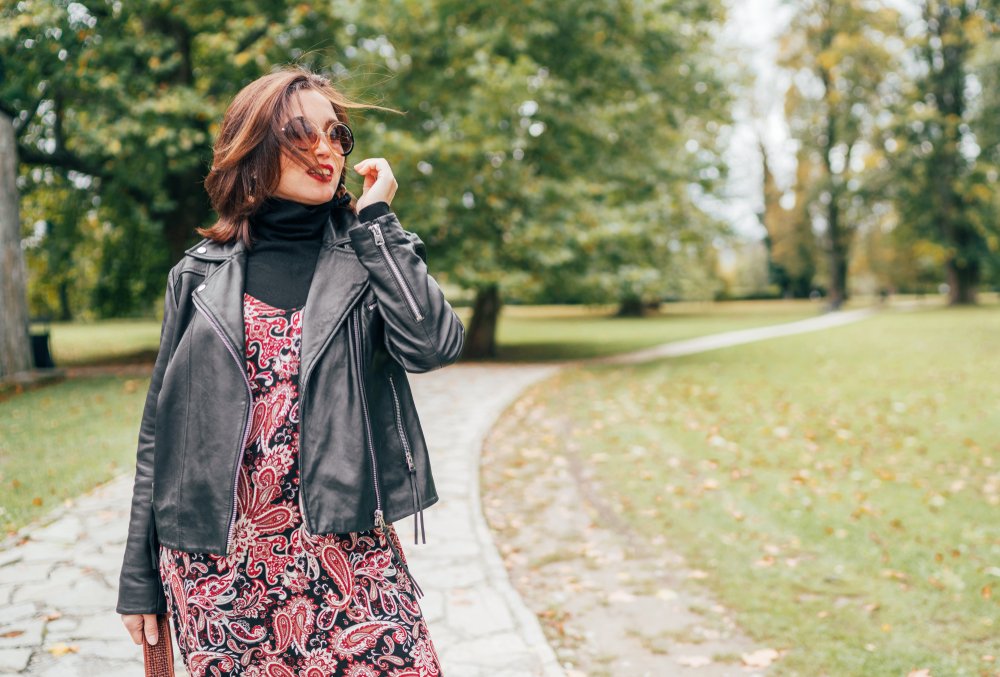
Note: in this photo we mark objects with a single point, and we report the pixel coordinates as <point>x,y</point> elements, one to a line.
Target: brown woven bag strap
<point>159,657</point>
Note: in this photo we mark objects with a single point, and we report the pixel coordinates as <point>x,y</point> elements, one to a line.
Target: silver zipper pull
<point>377,232</point>
<point>379,520</point>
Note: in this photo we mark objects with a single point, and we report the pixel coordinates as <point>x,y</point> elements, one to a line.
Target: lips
<point>324,174</point>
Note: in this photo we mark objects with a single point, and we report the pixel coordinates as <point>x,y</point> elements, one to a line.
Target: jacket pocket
<point>404,442</point>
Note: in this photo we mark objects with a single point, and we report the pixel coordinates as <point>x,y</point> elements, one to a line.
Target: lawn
<point>841,488</point>
<point>102,341</point>
<point>59,441</point>
<point>525,333</point>
<point>540,333</point>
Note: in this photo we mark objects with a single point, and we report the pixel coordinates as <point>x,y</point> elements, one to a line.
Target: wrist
<point>373,211</point>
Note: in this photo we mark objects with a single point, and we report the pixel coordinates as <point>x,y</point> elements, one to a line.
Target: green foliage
<point>561,150</point>
<point>946,144</point>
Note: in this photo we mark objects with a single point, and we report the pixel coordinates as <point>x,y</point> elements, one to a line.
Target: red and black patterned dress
<point>286,603</point>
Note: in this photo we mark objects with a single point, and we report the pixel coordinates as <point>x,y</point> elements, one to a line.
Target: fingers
<point>133,624</point>
<point>379,164</point>
<point>149,621</point>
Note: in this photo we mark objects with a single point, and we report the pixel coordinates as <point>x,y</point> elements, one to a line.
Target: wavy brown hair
<point>246,162</point>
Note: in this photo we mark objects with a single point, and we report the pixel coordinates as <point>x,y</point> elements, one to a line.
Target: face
<point>296,182</point>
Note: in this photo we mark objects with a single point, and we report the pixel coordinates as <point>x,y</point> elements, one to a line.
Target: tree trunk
<point>631,306</point>
<point>963,279</point>
<point>15,346</point>
<point>480,340</point>
<point>837,253</point>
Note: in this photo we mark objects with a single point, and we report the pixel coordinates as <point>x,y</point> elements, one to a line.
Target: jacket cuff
<point>373,211</point>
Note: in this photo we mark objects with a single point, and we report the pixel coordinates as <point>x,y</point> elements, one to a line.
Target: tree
<point>947,143</point>
<point>121,101</point>
<point>554,145</point>
<point>843,64</point>
<point>15,349</point>
<point>790,239</point>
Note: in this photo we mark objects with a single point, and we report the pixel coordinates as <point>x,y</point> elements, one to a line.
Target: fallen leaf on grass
<point>761,658</point>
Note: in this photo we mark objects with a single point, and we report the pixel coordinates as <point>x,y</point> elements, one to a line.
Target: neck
<point>283,220</point>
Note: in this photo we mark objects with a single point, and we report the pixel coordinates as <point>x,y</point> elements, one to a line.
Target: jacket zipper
<point>394,269</point>
<point>380,523</point>
<point>418,511</point>
<point>359,363</point>
<point>249,409</point>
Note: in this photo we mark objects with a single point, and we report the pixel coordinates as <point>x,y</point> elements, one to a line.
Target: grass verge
<point>841,488</point>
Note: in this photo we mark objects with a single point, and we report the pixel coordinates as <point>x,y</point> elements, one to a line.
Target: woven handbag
<point>159,657</point>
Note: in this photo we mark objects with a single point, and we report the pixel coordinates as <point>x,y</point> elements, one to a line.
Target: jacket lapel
<point>221,294</point>
<point>339,281</point>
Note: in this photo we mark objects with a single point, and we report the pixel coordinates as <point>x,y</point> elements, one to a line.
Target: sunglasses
<point>304,136</point>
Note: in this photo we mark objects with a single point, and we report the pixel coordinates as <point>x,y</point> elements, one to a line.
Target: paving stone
<point>14,660</point>
<point>485,610</point>
<point>107,626</point>
<point>65,531</point>
<point>26,632</point>
<point>11,613</point>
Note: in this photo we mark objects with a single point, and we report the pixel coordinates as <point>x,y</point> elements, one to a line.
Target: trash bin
<point>40,350</point>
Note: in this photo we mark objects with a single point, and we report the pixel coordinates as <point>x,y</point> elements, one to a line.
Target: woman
<point>279,441</point>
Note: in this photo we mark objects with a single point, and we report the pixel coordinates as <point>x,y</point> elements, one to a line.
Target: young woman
<point>279,440</point>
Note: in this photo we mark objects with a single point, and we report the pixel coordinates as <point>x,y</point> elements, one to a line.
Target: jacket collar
<point>338,282</point>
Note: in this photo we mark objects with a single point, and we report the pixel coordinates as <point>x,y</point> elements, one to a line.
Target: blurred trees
<point>895,117</point>
<point>946,146</point>
<point>844,74</point>
<point>557,151</point>
<point>116,106</point>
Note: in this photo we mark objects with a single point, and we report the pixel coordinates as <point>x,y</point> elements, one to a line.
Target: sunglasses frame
<point>325,133</point>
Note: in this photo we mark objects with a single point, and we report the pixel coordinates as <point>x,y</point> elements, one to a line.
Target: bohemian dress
<point>287,603</point>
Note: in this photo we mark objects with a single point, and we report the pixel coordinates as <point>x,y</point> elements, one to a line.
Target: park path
<point>58,581</point>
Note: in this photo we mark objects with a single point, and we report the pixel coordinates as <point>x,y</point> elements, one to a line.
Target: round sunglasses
<point>304,135</point>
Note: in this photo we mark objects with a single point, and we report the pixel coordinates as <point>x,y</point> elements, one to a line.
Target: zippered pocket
<point>395,273</point>
<point>403,440</point>
<point>418,510</point>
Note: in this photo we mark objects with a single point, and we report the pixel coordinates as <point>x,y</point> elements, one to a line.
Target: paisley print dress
<point>287,603</point>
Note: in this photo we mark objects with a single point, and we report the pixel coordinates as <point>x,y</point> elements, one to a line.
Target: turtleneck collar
<point>283,220</point>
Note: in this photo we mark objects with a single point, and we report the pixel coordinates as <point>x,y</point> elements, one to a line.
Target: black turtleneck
<point>287,237</point>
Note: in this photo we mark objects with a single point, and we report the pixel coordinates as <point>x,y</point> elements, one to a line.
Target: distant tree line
<point>898,136</point>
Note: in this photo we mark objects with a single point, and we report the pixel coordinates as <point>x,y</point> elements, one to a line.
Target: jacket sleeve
<point>422,331</point>
<point>140,590</point>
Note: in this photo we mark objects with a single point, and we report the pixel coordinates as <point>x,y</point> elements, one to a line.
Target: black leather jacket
<point>373,313</point>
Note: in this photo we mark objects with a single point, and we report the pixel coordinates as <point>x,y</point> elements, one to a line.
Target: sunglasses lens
<point>341,134</point>
<point>301,134</point>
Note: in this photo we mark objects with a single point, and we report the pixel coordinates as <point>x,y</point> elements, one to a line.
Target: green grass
<point>525,333</point>
<point>542,333</point>
<point>103,341</point>
<point>59,441</point>
<point>841,488</point>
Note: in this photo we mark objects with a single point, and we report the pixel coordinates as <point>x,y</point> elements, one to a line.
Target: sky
<point>752,29</point>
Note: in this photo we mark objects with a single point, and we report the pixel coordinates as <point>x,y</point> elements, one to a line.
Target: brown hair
<point>246,163</point>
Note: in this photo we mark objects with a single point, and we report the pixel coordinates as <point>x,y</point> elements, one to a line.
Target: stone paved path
<point>58,588</point>
<point>58,582</point>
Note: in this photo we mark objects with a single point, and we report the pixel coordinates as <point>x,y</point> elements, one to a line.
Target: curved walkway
<point>58,582</point>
